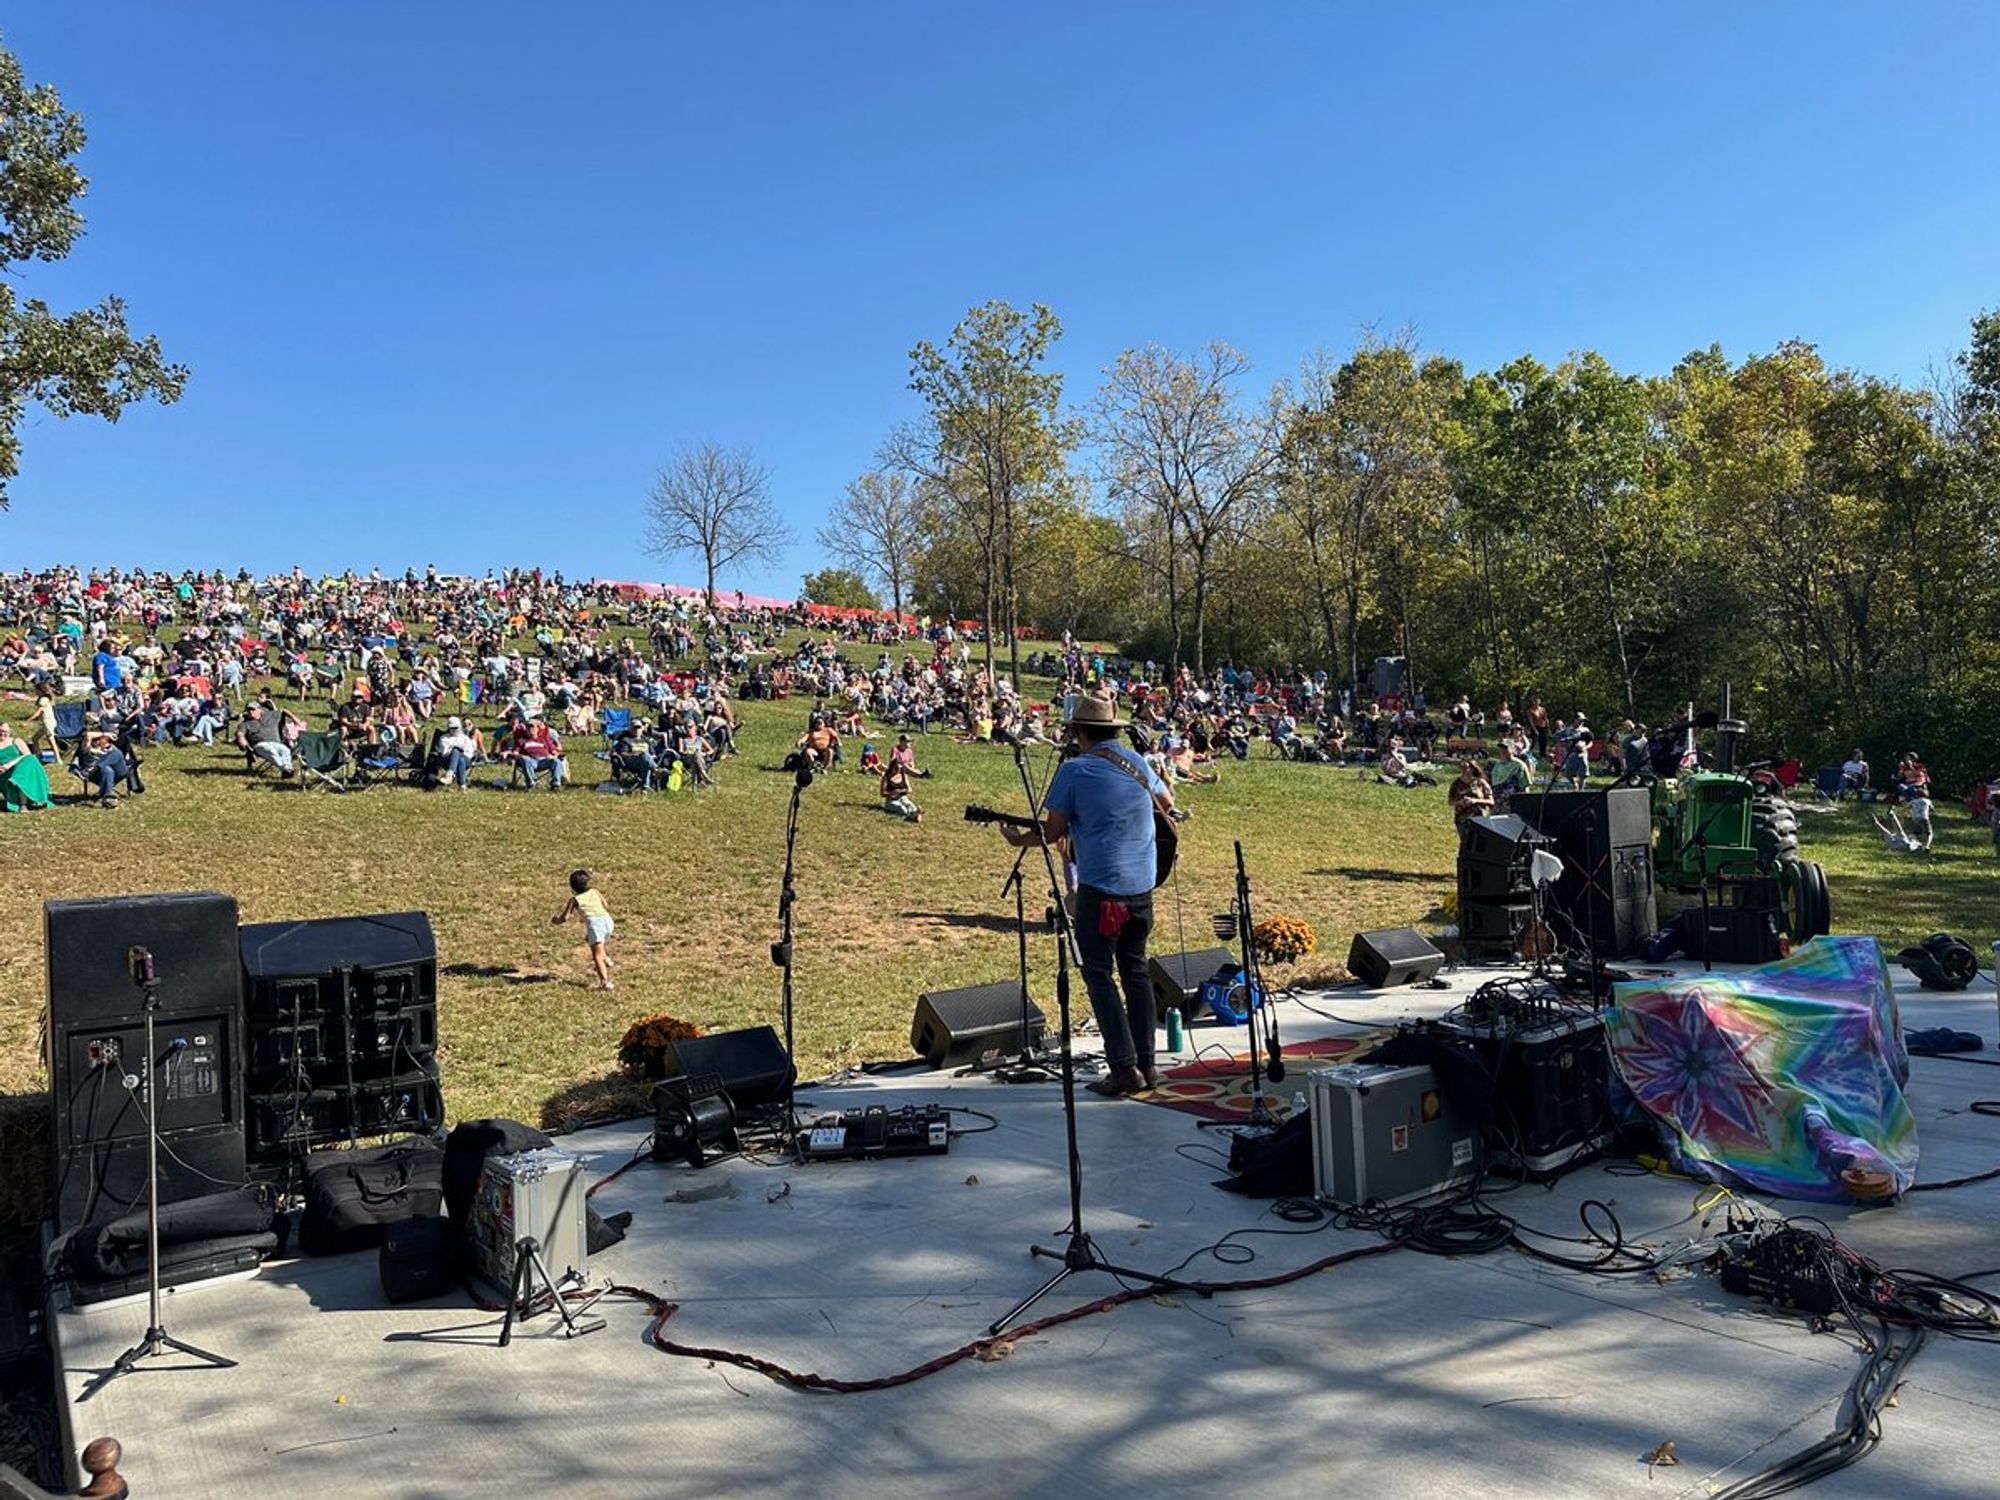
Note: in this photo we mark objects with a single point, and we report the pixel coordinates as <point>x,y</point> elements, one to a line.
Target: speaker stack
<point>341,1028</point>
<point>96,1052</point>
<point>1496,911</point>
<point>1604,903</point>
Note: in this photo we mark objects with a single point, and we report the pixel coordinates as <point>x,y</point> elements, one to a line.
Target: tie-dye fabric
<point>1774,1078</point>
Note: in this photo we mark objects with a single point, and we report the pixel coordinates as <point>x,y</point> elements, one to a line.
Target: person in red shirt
<point>536,746</point>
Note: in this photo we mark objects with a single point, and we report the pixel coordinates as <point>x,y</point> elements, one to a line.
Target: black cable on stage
<point>1989,1108</point>
<point>987,1348</point>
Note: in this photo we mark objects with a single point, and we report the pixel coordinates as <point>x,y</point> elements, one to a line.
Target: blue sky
<point>455,278</point>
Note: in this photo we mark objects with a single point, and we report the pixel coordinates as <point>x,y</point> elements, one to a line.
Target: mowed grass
<point>886,910</point>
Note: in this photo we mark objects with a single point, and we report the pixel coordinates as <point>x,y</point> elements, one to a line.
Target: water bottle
<point>1176,1037</point>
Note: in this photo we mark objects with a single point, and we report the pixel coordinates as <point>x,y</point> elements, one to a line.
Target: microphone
<point>803,778</point>
<point>1275,1069</point>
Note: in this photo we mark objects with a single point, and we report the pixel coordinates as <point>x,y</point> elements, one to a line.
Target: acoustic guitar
<point>1166,835</point>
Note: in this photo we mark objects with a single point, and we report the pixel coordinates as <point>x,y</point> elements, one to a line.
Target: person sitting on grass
<point>904,754</point>
<point>1854,774</point>
<point>1395,768</point>
<point>24,785</point>
<point>896,794</point>
<point>1900,839</point>
<point>871,760</point>
<point>819,745</point>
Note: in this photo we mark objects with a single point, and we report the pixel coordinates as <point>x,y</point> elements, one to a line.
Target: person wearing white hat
<point>1102,799</point>
<point>454,752</point>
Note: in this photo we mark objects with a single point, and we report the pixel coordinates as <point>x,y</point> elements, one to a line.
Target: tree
<point>843,588</point>
<point>86,361</point>
<point>994,439</point>
<point>714,503</point>
<point>1187,461</point>
<point>873,529</point>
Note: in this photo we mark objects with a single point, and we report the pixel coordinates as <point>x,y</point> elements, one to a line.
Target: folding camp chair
<point>322,757</point>
<point>70,725</point>
<point>384,760</point>
<point>613,722</point>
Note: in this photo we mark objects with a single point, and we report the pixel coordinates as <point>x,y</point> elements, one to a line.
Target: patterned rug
<point>1217,1086</point>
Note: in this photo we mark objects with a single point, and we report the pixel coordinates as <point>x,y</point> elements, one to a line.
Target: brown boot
<point>1119,1082</point>
<point>1151,1074</point>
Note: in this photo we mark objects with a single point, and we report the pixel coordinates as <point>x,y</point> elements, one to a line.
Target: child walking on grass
<point>588,903</point>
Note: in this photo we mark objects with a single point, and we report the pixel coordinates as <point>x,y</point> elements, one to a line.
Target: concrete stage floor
<point>1400,1375</point>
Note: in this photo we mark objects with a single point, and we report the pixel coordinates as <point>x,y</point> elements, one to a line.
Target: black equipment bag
<point>118,1248</point>
<point>352,1196</point>
<point>1278,1164</point>
<point>420,1258</point>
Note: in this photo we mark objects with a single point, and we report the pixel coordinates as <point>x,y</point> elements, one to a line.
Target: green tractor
<point>1730,837</point>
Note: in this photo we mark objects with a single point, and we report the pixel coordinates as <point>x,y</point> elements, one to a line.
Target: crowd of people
<point>428,677</point>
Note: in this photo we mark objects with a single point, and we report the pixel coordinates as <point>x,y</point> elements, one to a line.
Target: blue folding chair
<point>70,724</point>
<point>614,722</point>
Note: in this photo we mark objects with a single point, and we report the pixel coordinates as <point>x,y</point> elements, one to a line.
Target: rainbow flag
<point>1777,1078</point>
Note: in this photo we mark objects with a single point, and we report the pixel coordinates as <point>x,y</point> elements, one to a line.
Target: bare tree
<point>1187,462</point>
<point>714,503</point>
<point>872,528</point>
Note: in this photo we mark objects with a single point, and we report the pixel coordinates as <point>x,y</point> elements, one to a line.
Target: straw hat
<point>1095,709</point>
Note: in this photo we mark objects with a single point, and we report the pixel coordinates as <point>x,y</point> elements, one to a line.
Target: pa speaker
<point>1390,956</point>
<point>954,1027</point>
<point>97,1040</point>
<point>1178,977</point>
<point>751,1064</point>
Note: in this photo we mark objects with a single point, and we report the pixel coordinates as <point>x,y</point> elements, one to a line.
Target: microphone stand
<point>1080,1252</point>
<point>1031,1063</point>
<point>157,1339</point>
<point>781,953</point>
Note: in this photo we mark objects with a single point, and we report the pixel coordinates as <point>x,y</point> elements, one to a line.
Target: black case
<point>353,1196</point>
<point>420,1258</point>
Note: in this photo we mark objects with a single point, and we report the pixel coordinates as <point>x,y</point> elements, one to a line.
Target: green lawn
<point>886,909</point>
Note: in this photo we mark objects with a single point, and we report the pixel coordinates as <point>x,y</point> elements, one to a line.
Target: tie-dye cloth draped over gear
<point>1777,1078</point>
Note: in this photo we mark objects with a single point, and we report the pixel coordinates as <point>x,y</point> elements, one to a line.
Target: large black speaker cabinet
<point>1493,854</point>
<point>954,1027</point>
<point>340,1030</point>
<point>1178,977</point>
<point>1604,902</point>
<point>1390,956</point>
<point>751,1063</point>
<point>96,1042</point>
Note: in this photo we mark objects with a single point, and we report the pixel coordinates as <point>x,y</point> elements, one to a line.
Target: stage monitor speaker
<point>751,1064</point>
<point>1178,977</point>
<point>1390,956</point>
<point>954,1027</point>
<point>96,1041</point>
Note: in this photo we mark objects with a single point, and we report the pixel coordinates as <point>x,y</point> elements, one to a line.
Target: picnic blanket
<point>1779,1078</point>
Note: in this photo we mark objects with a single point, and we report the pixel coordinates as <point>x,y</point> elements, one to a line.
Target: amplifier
<point>1386,1135</point>
<point>283,1120</point>
<point>532,1193</point>
<point>1551,1089</point>
<point>913,1130</point>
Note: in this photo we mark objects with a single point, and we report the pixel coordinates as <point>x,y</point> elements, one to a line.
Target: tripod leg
<point>523,1288</point>
<point>170,1342</point>
<point>1035,1296</point>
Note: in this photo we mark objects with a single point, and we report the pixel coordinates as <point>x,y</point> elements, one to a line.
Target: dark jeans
<point>111,768</point>
<point>1108,964</point>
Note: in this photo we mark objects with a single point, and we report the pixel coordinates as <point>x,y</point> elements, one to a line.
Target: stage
<point>1399,1375</point>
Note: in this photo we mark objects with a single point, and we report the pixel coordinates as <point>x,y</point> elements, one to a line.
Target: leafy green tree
<point>843,588</point>
<point>994,438</point>
<point>86,361</point>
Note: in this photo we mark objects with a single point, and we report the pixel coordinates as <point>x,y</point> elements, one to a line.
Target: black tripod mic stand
<point>157,1340</point>
<point>1079,1252</point>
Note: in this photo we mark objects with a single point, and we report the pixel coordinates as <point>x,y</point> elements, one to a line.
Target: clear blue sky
<point>454,278</point>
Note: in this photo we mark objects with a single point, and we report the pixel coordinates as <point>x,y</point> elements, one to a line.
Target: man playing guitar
<point>1103,799</point>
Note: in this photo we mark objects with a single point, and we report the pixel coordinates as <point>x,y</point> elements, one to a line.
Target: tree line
<point>1622,543</point>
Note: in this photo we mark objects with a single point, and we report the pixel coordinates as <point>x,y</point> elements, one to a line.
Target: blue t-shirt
<point>111,674</point>
<point>1110,819</point>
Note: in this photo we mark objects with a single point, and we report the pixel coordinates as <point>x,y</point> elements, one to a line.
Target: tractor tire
<point>1774,831</point>
<point>1821,913</point>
